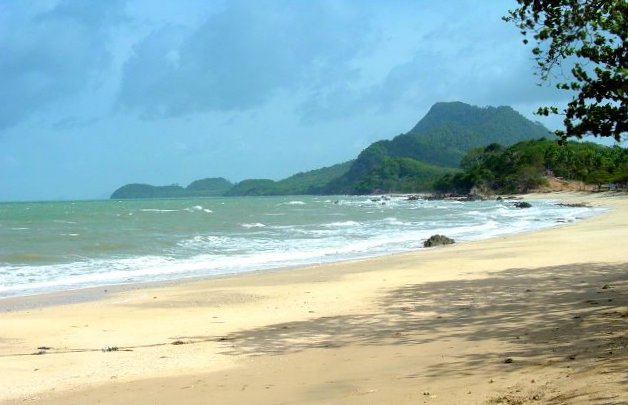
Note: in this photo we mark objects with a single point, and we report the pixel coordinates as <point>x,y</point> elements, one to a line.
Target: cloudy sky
<point>95,94</point>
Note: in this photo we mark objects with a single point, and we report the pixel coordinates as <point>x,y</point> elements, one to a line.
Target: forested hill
<point>438,141</point>
<point>311,182</point>
<point>501,124</point>
<point>524,166</point>
<point>210,187</point>
<point>409,162</point>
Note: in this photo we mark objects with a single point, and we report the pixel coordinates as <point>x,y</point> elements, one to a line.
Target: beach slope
<point>539,317</point>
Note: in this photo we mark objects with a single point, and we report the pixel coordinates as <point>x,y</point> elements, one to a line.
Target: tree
<point>590,37</point>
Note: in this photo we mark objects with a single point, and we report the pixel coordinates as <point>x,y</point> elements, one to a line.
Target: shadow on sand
<point>562,316</point>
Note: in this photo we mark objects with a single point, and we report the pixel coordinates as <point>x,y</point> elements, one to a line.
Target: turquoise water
<point>52,246</point>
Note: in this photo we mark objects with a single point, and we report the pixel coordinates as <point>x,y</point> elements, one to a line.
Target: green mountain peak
<point>440,139</point>
<point>409,162</point>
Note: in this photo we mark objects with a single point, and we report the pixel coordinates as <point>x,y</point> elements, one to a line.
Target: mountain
<point>409,162</point>
<point>440,139</point>
<point>136,190</point>
<point>311,182</point>
<point>253,187</point>
<point>209,187</point>
<point>455,128</point>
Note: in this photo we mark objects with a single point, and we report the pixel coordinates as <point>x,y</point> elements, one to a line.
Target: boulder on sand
<point>436,240</point>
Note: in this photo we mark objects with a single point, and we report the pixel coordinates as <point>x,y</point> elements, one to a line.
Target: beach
<point>533,317</point>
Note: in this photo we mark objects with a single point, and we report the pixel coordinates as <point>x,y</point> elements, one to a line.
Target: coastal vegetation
<point>310,182</point>
<point>138,190</point>
<point>210,187</point>
<point>407,163</point>
<point>524,166</point>
<point>412,161</point>
<point>446,152</point>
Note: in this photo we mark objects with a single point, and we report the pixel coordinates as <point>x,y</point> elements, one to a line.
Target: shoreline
<point>91,293</point>
<point>377,327</point>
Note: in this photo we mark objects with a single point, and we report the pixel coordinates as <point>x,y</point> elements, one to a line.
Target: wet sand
<point>539,317</point>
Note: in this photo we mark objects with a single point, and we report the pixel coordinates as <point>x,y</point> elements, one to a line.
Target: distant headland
<point>455,148</point>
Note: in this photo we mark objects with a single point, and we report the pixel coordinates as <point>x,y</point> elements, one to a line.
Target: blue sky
<point>96,94</point>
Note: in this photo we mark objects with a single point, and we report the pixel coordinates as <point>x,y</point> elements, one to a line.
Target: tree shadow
<point>548,315</point>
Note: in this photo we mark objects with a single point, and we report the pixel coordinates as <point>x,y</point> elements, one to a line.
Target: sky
<point>97,94</point>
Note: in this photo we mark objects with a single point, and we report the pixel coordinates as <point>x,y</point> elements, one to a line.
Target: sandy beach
<point>539,317</point>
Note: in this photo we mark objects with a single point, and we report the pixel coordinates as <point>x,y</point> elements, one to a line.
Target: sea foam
<point>149,247</point>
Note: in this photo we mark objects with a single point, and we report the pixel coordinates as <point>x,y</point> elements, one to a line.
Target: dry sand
<point>540,317</point>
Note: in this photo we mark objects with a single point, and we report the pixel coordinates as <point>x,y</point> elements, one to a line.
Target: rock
<point>508,360</point>
<point>522,204</point>
<point>606,287</point>
<point>413,198</point>
<point>436,240</point>
<point>500,198</point>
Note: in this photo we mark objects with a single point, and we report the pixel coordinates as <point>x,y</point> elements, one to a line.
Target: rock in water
<point>436,240</point>
<point>523,204</point>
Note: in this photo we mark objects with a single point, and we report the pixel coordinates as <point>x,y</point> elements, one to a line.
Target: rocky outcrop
<point>437,240</point>
<point>523,204</point>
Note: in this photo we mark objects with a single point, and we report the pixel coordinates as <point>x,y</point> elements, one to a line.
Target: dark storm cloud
<point>51,55</point>
<point>241,57</point>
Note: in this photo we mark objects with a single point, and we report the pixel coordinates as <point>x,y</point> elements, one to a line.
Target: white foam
<point>253,225</point>
<point>394,221</point>
<point>342,224</point>
<point>195,208</point>
<point>287,240</point>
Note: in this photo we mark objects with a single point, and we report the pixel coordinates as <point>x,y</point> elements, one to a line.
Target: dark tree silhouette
<point>582,44</point>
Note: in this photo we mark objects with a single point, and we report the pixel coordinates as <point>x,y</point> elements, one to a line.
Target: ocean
<point>57,246</point>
